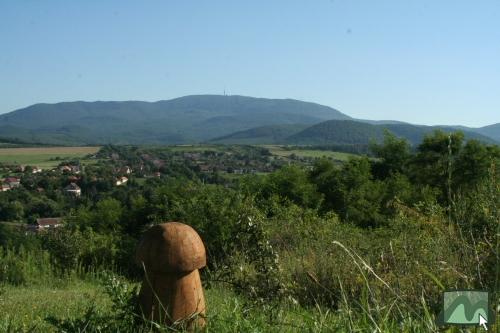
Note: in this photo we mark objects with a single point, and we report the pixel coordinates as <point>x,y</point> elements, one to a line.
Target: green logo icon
<point>466,307</point>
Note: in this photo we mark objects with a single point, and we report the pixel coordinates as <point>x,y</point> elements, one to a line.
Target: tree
<point>64,246</point>
<point>362,196</point>
<point>292,183</point>
<point>350,192</point>
<point>107,215</point>
<point>326,176</point>
<point>434,161</point>
<point>14,211</point>
<point>472,164</point>
<point>393,155</point>
<point>138,214</point>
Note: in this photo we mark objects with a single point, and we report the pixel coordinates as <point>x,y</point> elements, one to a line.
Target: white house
<point>121,181</point>
<point>36,170</point>
<point>47,223</point>
<point>73,189</point>
<point>12,182</point>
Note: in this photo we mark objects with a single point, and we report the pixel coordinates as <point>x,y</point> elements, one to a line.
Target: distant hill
<point>337,132</point>
<point>181,120</point>
<point>332,132</point>
<point>492,131</point>
<point>355,132</point>
<point>272,134</point>
<point>380,122</point>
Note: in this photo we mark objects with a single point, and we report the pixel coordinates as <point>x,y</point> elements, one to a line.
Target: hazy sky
<point>428,62</point>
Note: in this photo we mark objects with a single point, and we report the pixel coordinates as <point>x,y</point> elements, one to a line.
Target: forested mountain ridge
<point>344,132</point>
<point>202,118</point>
<point>181,120</point>
<point>492,131</point>
<point>263,134</point>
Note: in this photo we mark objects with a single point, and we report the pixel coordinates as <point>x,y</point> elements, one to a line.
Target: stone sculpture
<point>171,254</point>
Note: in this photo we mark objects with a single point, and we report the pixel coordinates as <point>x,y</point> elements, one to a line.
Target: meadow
<point>43,157</point>
<point>283,151</point>
<point>194,148</point>
<point>276,150</point>
<point>98,302</point>
<point>85,304</point>
<point>28,309</point>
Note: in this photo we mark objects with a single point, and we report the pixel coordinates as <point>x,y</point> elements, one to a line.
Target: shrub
<point>326,262</point>
<point>20,266</point>
<point>254,267</point>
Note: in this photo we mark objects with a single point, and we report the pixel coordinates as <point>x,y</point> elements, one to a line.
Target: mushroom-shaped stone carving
<point>171,291</point>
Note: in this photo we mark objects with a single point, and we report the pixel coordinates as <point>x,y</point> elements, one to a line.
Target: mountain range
<point>338,132</point>
<point>206,118</point>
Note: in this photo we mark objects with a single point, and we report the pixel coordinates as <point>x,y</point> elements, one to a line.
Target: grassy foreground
<point>26,309</point>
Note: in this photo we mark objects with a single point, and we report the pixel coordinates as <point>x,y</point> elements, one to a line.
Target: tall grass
<point>35,268</point>
<point>22,267</point>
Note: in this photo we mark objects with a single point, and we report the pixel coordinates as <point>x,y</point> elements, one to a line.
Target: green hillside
<point>340,132</point>
<point>492,131</point>
<point>354,132</point>
<point>263,134</point>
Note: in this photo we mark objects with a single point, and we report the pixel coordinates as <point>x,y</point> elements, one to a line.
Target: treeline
<point>363,190</point>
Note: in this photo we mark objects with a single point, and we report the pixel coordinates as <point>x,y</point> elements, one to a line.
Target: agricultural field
<point>193,148</point>
<point>282,151</point>
<point>43,157</point>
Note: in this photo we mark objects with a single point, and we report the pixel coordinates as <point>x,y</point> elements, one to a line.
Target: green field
<point>276,150</point>
<point>194,148</point>
<point>43,157</point>
<point>281,151</point>
<point>26,309</point>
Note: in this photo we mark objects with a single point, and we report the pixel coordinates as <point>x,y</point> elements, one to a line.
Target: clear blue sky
<point>427,62</point>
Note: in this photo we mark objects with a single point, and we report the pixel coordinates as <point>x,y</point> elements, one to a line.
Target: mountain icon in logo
<point>465,307</point>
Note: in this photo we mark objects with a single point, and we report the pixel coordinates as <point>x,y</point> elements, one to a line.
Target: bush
<point>65,247</point>
<point>122,318</point>
<point>254,267</point>
<point>329,263</point>
<point>20,267</point>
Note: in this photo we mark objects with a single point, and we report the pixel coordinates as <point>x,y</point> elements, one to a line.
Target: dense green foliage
<point>371,241</point>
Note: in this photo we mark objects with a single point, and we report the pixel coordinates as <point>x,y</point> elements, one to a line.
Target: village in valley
<point>70,181</point>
